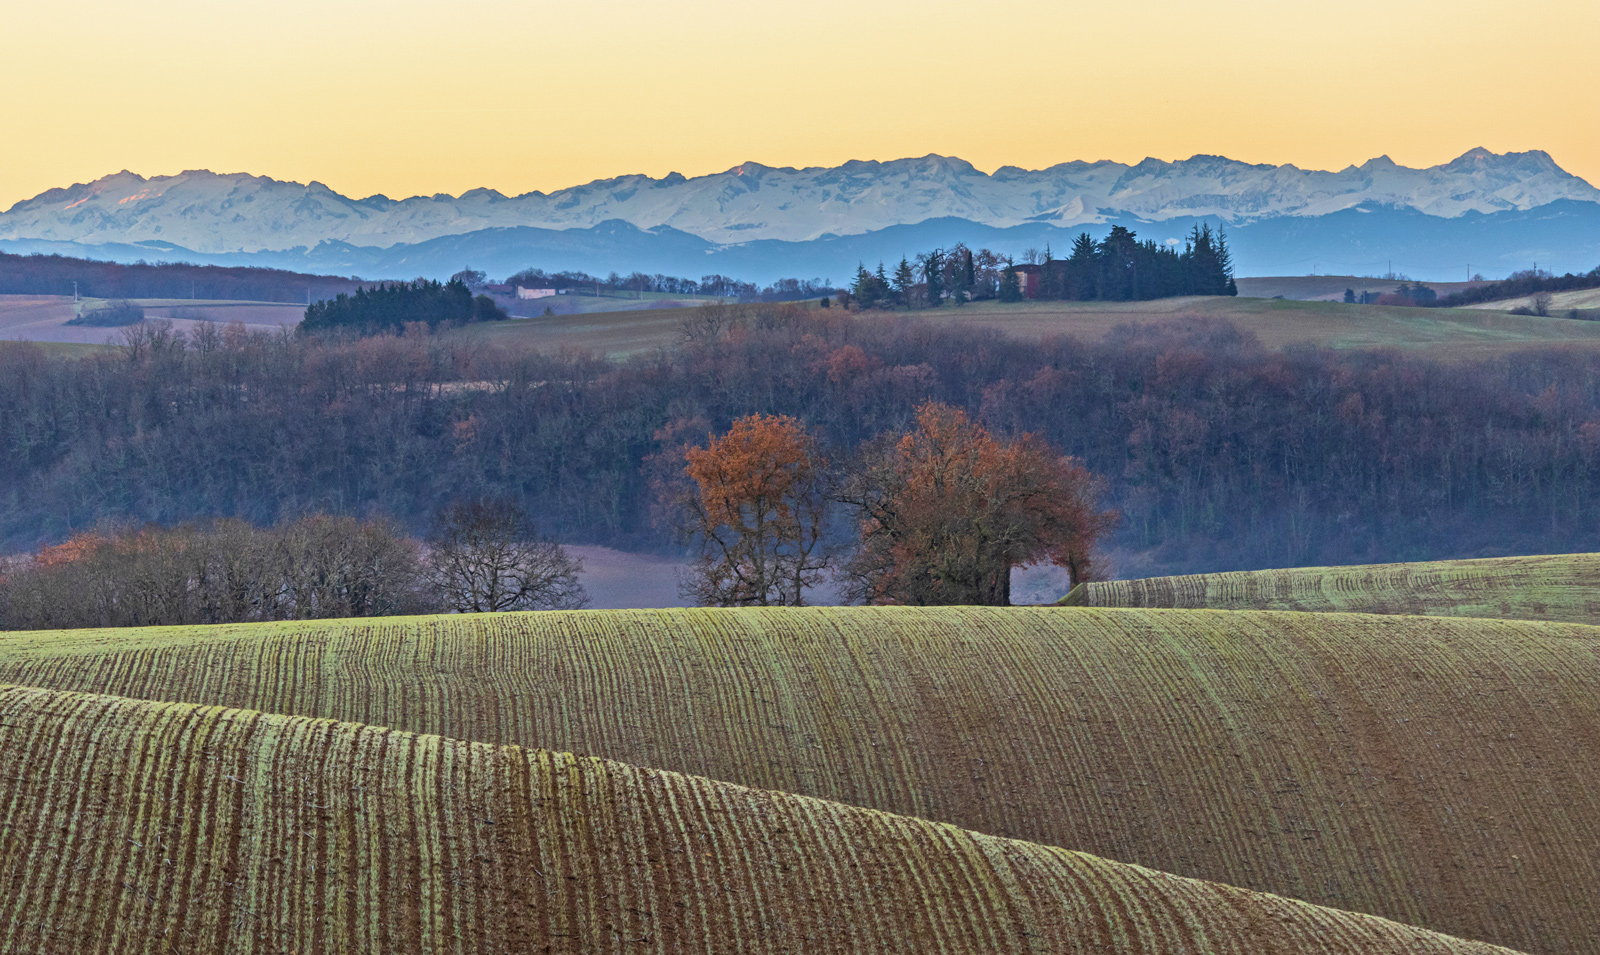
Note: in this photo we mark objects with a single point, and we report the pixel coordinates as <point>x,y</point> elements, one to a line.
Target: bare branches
<point>484,557</point>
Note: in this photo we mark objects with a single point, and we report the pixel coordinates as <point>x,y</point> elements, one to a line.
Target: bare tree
<point>484,557</point>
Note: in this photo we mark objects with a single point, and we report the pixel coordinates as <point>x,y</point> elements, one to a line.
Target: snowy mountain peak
<point>218,213</point>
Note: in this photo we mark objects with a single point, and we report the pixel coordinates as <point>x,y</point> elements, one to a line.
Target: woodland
<point>1216,452</point>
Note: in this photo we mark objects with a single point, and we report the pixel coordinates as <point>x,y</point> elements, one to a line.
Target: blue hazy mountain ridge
<point>1495,212</point>
<point>1366,240</point>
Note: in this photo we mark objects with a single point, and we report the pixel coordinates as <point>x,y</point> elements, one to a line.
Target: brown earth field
<point>132,826</point>
<point>1440,772</point>
<point>43,318</point>
<point>1563,587</point>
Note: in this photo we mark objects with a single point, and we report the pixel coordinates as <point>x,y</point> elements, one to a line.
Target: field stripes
<point>1560,587</point>
<point>134,826</point>
<point>1437,771</point>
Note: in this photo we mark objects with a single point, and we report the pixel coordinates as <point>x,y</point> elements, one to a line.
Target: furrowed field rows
<point>1563,587</point>
<point>1440,772</point>
<point>133,826</point>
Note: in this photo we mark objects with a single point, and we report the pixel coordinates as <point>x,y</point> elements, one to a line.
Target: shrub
<point>110,315</point>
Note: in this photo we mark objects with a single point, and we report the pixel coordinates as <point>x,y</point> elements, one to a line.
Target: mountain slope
<point>150,827</point>
<point>210,214</point>
<point>1439,772</point>
<point>1363,240</point>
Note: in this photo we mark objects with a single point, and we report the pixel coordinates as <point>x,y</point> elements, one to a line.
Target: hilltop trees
<point>756,510</point>
<point>396,305</point>
<point>947,510</point>
<point>1119,267</point>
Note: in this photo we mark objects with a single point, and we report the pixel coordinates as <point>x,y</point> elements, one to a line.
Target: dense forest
<point>392,306</point>
<point>55,275</point>
<point>1117,268</point>
<point>1219,453</point>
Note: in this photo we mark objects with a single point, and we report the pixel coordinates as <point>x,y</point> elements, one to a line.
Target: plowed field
<point>146,827</point>
<point>1439,772</point>
<point>1555,587</point>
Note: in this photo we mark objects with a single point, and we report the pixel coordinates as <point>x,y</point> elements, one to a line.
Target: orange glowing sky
<point>420,96</point>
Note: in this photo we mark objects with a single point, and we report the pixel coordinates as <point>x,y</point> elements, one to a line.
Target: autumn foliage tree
<point>755,505</point>
<point>947,510</point>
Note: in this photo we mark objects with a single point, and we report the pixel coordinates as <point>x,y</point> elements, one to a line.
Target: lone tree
<point>485,557</point>
<point>948,510</point>
<point>755,505</point>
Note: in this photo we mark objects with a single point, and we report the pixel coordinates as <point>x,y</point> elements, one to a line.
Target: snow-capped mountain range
<point>217,214</point>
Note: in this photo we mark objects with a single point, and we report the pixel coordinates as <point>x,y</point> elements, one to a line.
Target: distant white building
<point>525,293</point>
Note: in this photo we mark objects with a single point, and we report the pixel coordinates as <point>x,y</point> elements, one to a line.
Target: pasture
<point>629,328</point>
<point>1451,334</point>
<point>1439,772</point>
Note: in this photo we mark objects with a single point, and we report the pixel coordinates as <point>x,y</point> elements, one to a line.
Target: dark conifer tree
<point>933,276</point>
<point>1010,286</point>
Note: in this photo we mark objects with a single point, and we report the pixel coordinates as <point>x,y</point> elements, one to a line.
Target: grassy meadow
<point>621,327</point>
<point>1452,334</point>
<point>1434,771</point>
<point>1563,587</point>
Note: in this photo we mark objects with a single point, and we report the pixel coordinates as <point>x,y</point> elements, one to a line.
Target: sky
<point>409,97</point>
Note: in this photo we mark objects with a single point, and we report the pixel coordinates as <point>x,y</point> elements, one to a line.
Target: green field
<point>622,327</point>
<point>129,826</point>
<point>1441,333</point>
<point>1439,772</point>
<point>1563,587</point>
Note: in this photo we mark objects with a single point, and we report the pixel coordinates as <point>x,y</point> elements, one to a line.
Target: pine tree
<point>865,288</point>
<point>1010,286</point>
<point>933,276</point>
<point>1082,266</point>
<point>904,281</point>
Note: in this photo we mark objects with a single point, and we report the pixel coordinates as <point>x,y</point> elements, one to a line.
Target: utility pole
<point>74,293</point>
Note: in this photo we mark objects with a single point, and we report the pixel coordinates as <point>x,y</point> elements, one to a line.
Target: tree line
<point>1117,268</point>
<point>708,286</point>
<point>479,555</point>
<point>1520,285</point>
<point>1217,452</point>
<point>56,275</point>
<point>391,306</point>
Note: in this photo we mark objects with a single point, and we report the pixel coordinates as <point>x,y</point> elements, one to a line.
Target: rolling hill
<point>1563,587</point>
<point>130,826</point>
<point>1438,772</point>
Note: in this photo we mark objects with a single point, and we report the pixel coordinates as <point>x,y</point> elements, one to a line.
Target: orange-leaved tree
<point>947,510</point>
<point>756,510</point>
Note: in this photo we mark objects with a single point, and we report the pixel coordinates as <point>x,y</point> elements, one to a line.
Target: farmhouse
<point>1029,278</point>
<point>527,293</point>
